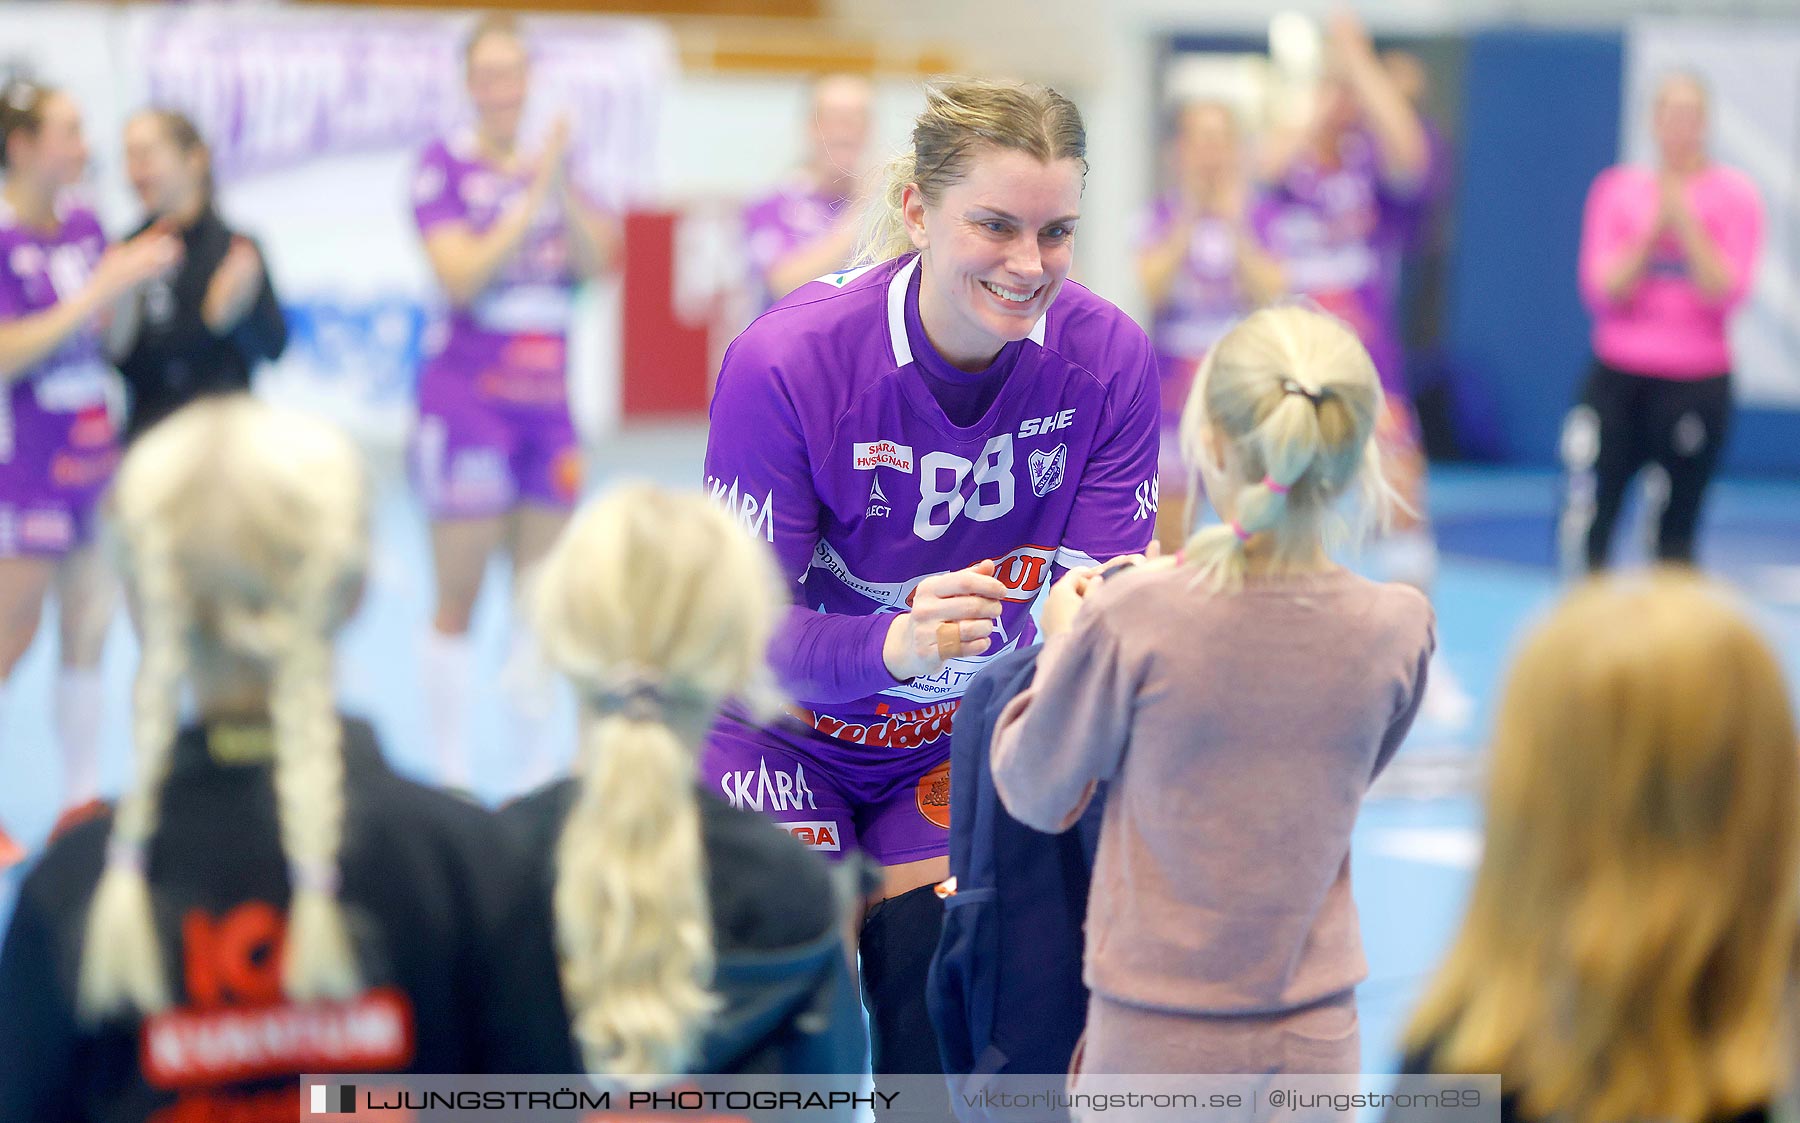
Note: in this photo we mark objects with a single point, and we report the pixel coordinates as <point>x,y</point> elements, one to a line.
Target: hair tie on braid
<point>314,877</point>
<point>1293,386</point>
<point>638,695</point>
<point>1237,528</point>
<point>1277,488</point>
<point>125,854</point>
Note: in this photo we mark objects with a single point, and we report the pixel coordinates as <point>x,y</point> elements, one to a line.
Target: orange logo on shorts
<point>933,796</point>
<point>565,474</point>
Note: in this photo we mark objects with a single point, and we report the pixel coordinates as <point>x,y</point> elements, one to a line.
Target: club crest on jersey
<point>1047,469</point>
<point>869,455</point>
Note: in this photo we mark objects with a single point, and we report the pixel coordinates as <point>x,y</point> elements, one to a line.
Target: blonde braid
<point>122,969</point>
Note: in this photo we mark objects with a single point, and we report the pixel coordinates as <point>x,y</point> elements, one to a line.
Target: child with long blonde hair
<point>266,879</point>
<point>684,935</point>
<point>1238,700</point>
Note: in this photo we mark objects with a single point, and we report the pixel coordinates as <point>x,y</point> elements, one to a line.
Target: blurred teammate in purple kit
<point>58,446</point>
<point>496,457</point>
<point>1335,215</point>
<point>928,442</point>
<point>808,226</point>
<point>1202,269</point>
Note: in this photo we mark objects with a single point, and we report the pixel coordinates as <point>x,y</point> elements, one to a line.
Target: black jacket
<point>790,1005</point>
<point>176,357</point>
<point>421,891</point>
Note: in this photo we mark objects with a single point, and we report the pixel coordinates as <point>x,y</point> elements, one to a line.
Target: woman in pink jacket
<point>1667,254</point>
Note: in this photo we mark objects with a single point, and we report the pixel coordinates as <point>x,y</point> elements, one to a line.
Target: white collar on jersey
<point>897,315</point>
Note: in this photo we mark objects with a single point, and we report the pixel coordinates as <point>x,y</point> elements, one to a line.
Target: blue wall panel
<point>1540,119</point>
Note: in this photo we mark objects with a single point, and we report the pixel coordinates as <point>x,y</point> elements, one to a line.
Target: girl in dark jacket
<point>687,936</point>
<point>268,899</point>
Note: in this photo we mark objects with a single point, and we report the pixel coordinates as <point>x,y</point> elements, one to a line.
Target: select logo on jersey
<point>760,789</point>
<point>821,835</point>
<point>1047,469</point>
<point>1148,493</point>
<point>1044,426</point>
<point>869,455</point>
<point>933,796</point>
<point>878,502</point>
<point>757,518</point>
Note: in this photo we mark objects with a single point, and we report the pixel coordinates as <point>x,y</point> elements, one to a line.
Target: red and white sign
<point>883,454</point>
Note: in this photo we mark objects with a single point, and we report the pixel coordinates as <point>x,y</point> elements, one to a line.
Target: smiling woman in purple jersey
<point>927,441</point>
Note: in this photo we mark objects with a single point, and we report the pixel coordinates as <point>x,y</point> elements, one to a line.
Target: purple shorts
<point>54,467</point>
<point>812,788</point>
<point>494,429</point>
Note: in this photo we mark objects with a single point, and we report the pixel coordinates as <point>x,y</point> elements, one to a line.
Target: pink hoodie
<point>1666,327</point>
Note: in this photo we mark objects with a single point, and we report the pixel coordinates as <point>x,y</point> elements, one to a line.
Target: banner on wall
<point>315,117</point>
<point>1753,72</point>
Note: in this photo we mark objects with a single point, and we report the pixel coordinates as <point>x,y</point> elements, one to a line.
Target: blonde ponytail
<point>1295,394</point>
<point>676,622</point>
<point>635,938</point>
<point>884,234</point>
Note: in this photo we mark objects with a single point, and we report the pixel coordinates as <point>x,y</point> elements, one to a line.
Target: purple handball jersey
<point>1329,228</point>
<point>58,447</point>
<point>774,227</point>
<point>1205,297</point>
<point>511,339</point>
<point>494,426</point>
<point>828,442</point>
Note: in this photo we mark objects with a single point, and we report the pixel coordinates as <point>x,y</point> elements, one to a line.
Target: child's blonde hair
<point>1293,393</point>
<point>244,534</point>
<point>657,607</point>
<point>1628,949</point>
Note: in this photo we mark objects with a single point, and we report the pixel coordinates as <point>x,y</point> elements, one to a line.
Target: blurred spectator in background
<point>203,328</point>
<point>508,235</point>
<point>808,226</point>
<point>1667,255</point>
<point>59,282</point>
<point>1202,269</point>
<point>1331,187</point>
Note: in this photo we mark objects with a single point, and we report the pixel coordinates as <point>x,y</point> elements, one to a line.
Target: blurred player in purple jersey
<point>928,441</point>
<point>496,457</point>
<point>808,225</point>
<point>1202,269</point>
<point>58,446</point>
<point>1335,214</point>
